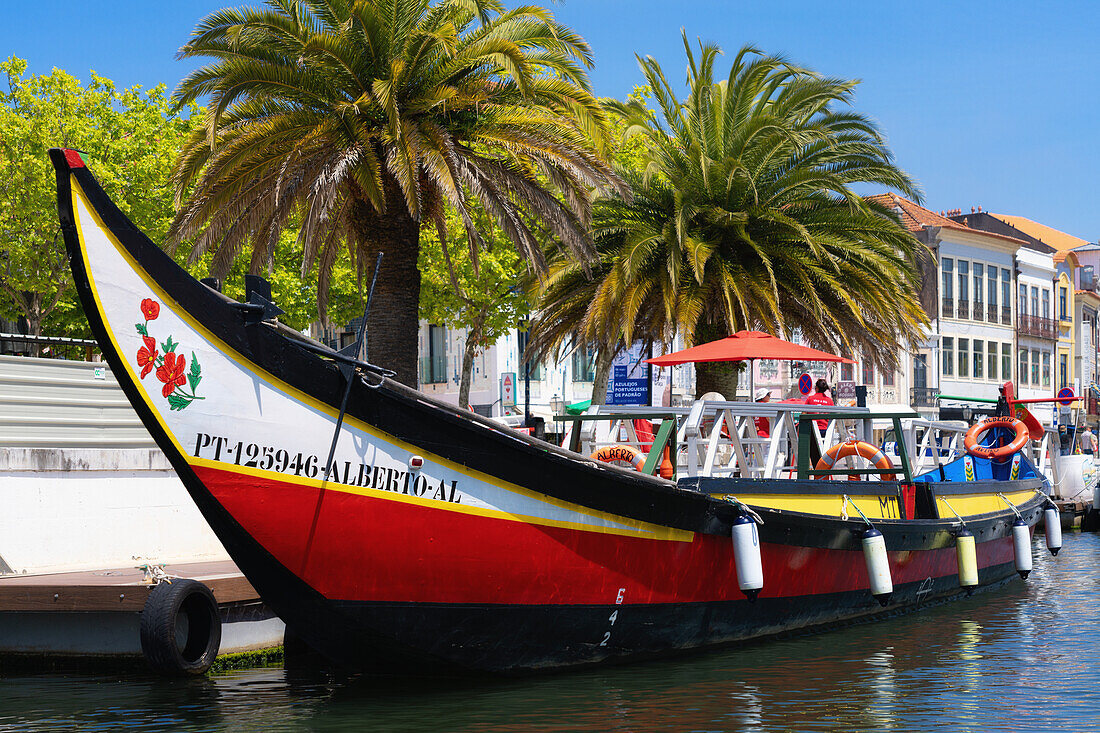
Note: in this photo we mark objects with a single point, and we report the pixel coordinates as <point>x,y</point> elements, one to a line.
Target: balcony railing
<point>1006,315</point>
<point>1037,326</point>
<point>992,314</point>
<point>979,311</point>
<point>923,396</point>
<point>948,307</point>
<point>964,309</point>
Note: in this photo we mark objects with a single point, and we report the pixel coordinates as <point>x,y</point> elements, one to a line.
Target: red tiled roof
<point>915,217</point>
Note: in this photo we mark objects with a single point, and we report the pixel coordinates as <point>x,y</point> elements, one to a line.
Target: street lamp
<point>557,405</point>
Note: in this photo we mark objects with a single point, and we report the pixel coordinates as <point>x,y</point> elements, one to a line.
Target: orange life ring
<point>620,454</point>
<point>861,449</point>
<point>1004,451</point>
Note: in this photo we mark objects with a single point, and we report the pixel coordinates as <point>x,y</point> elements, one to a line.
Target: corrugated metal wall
<point>53,403</point>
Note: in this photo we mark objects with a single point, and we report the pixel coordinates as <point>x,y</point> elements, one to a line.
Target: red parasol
<point>747,346</point>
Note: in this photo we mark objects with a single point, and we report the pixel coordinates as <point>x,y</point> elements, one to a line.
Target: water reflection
<point>1017,658</point>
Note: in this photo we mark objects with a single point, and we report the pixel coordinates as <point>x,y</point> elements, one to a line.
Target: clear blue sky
<point>990,103</point>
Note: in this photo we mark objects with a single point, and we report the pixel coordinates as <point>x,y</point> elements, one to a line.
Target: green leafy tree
<point>744,217</point>
<point>131,137</point>
<point>484,300</point>
<point>294,291</point>
<point>367,118</point>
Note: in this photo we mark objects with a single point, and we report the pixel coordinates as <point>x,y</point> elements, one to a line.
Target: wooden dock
<point>51,621</point>
<point>116,589</point>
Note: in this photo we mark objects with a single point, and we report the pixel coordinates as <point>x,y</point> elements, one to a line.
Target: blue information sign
<point>628,383</point>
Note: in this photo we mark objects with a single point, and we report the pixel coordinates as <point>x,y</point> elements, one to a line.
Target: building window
<point>979,301</point>
<point>433,368</point>
<point>1023,366</point>
<point>1034,367</point>
<point>888,378</point>
<point>584,365</point>
<point>1006,362</point>
<point>1062,297</point>
<point>869,374</point>
<point>1046,303</point>
<point>1034,301</point>
<point>522,338</point>
<point>964,358</point>
<point>964,288</point>
<point>847,372</point>
<point>1046,368</point>
<point>1063,371</point>
<point>1006,296</point>
<point>947,266</point>
<point>979,359</point>
<point>920,371</point>
<point>991,360</point>
<point>992,305</point>
<point>1021,307</point>
<point>948,356</point>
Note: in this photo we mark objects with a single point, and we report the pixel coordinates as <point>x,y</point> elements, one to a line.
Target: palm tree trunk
<point>714,376</point>
<point>395,311</point>
<point>603,371</point>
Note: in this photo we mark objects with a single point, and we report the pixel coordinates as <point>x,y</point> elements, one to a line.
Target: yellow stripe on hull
<point>828,505</point>
<point>969,505</point>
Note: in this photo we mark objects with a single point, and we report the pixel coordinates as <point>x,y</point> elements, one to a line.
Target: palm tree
<point>744,217</point>
<point>362,120</point>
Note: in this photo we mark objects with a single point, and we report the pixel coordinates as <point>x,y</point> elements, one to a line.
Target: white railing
<point>720,438</point>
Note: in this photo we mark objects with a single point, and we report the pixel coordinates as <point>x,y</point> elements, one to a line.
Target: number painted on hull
<point>614,616</point>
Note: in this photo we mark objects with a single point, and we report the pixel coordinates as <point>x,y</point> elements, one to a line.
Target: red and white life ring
<point>974,448</point>
<point>861,449</point>
<point>620,455</point>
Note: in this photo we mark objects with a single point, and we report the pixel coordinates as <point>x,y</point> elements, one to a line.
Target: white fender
<point>746,556</point>
<point>1021,545</point>
<point>1052,526</point>
<point>966,552</point>
<point>878,565</point>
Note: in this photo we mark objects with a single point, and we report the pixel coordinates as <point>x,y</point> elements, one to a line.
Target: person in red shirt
<point>763,424</point>
<point>820,398</point>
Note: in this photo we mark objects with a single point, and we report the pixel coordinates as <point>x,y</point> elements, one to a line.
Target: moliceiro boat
<point>437,541</point>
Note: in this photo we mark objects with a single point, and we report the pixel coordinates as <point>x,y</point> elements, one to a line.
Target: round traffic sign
<point>805,384</point>
<point>1066,396</point>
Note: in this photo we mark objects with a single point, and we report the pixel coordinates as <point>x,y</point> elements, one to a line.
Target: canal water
<point>1024,657</point>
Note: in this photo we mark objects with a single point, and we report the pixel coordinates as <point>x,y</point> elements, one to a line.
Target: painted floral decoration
<point>179,383</point>
<point>150,309</point>
<point>147,355</point>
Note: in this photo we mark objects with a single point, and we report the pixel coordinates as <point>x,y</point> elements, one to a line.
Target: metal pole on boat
<point>348,370</point>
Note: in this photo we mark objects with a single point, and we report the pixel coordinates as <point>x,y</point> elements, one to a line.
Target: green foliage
<point>486,301</point>
<point>294,292</point>
<point>129,136</point>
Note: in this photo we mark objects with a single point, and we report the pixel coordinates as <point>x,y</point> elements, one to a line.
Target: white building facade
<point>1037,329</point>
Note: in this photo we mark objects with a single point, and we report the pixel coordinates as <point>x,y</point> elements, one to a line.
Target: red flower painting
<point>171,372</point>
<point>171,367</point>
<point>150,309</point>
<point>147,355</point>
